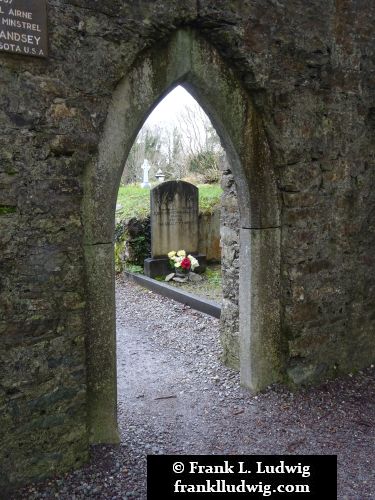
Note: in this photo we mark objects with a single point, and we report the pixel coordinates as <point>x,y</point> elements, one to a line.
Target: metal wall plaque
<point>23,27</point>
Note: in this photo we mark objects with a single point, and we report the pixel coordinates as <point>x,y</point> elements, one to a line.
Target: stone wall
<point>230,247</point>
<point>309,69</point>
<point>209,235</point>
<point>132,241</point>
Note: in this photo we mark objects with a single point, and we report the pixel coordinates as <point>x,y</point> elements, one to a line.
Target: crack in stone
<point>260,228</point>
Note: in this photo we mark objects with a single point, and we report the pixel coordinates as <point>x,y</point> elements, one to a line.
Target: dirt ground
<point>175,397</point>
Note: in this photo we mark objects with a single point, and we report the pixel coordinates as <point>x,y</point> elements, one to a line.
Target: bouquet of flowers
<point>180,262</point>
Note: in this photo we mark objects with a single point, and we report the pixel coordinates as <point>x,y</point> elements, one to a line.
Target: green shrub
<point>139,249</point>
<point>133,268</point>
<point>119,250</point>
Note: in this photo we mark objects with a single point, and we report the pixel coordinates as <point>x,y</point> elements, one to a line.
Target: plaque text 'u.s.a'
<point>23,27</point>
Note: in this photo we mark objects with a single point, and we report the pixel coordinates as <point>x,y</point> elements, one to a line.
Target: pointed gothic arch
<point>188,60</point>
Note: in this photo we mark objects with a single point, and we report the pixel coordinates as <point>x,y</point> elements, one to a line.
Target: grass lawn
<point>209,197</point>
<point>135,201</point>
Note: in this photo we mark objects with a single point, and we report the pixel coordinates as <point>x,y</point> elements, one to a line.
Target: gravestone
<point>174,225</point>
<point>174,218</point>
<point>146,168</point>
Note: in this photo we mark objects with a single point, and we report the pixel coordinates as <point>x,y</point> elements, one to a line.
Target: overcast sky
<point>167,110</point>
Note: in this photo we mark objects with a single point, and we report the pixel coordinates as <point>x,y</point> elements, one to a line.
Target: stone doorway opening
<point>184,59</point>
<point>152,384</point>
<point>179,141</point>
<point>176,144</point>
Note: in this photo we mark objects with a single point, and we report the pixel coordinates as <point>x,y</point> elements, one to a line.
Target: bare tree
<point>191,148</point>
<point>148,145</point>
<point>201,143</point>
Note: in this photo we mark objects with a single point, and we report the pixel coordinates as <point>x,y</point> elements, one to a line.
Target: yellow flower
<point>181,253</point>
<point>171,254</point>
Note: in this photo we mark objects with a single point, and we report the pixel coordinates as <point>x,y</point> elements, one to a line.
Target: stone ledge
<point>159,266</point>
<point>198,303</point>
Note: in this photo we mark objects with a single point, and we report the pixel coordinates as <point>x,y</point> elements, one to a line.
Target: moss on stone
<point>7,209</point>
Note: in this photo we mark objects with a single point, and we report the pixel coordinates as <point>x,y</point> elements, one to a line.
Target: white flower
<point>171,254</point>
<point>177,264</point>
<point>181,253</point>
<point>194,262</point>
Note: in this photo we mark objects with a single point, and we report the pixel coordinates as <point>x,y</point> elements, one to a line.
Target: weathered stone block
<point>174,218</point>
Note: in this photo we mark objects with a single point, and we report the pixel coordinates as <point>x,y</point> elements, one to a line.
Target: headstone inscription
<point>23,27</point>
<point>174,225</point>
<point>174,218</point>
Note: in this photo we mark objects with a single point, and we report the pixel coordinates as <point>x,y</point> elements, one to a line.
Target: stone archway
<point>188,60</point>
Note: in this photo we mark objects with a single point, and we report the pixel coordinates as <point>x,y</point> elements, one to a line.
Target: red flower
<point>185,263</point>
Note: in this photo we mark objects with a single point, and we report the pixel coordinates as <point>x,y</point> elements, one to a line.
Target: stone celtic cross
<point>146,168</point>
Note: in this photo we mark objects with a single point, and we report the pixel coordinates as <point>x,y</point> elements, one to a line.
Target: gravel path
<point>176,398</point>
